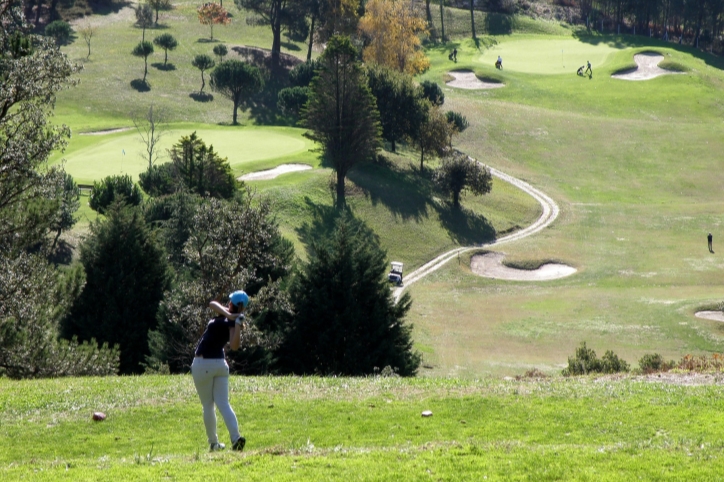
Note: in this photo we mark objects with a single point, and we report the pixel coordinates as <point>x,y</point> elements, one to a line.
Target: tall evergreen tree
<point>126,276</point>
<point>401,105</point>
<point>346,321</point>
<point>341,112</point>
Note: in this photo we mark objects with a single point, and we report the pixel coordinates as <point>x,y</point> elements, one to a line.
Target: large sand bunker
<point>272,173</point>
<point>648,68</point>
<point>710,315</point>
<point>466,79</point>
<point>490,265</point>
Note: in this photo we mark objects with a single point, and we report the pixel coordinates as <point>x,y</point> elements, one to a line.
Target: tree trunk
<point>38,9</point>
<point>429,14</point>
<point>165,57</point>
<point>340,191</point>
<point>237,101</point>
<point>456,199</point>
<point>392,145</point>
<point>203,83</point>
<point>276,43</point>
<point>55,241</point>
<point>422,157</point>
<point>442,20</point>
<point>311,39</point>
<point>145,68</point>
<point>472,18</point>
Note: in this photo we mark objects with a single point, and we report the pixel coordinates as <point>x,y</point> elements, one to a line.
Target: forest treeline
<point>692,22</point>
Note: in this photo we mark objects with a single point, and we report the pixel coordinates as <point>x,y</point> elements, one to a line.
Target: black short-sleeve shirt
<point>215,337</point>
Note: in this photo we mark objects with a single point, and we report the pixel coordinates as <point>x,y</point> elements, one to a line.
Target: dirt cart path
<point>550,213</point>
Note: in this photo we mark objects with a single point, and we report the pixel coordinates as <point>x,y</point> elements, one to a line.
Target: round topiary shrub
<point>114,188</point>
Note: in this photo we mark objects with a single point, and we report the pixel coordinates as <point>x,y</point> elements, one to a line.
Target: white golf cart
<point>395,276</point>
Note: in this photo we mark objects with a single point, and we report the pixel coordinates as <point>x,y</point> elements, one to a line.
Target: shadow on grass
<point>324,219</point>
<point>62,254</point>
<point>140,85</point>
<point>465,227</point>
<point>291,46</point>
<point>263,107</point>
<point>404,193</point>
<point>201,96</point>
<point>107,8</point>
<point>207,41</point>
<point>164,67</point>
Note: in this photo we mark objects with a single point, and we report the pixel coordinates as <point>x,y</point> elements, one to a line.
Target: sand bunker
<point>466,79</point>
<point>490,265</point>
<point>710,315</point>
<point>272,173</point>
<point>648,68</point>
<point>106,131</point>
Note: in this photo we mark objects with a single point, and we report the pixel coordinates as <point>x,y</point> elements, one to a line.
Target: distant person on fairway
<point>211,372</point>
<point>710,238</point>
<point>499,63</point>
<point>580,70</point>
<point>589,70</point>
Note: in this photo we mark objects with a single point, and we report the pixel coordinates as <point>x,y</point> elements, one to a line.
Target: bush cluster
<point>114,188</point>
<point>585,361</point>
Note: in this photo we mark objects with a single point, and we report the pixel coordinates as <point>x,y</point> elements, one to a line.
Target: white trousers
<point>211,377</point>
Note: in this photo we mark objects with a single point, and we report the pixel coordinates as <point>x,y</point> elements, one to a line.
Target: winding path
<point>550,213</point>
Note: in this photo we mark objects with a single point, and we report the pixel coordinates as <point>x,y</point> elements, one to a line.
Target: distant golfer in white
<point>211,372</point>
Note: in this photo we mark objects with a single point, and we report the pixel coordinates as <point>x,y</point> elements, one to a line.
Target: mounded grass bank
<point>364,429</point>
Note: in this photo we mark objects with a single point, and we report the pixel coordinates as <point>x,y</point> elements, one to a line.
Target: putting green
<point>547,56</point>
<point>246,148</point>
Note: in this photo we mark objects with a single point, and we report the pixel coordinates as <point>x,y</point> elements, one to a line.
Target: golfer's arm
<point>219,309</point>
<point>235,337</point>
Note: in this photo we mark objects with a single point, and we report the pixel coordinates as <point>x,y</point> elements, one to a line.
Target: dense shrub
<point>701,363</point>
<point>459,121</point>
<point>60,31</point>
<point>302,74</point>
<point>653,362</point>
<point>114,188</point>
<point>585,361</point>
<point>292,99</point>
<point>432,92</point>
<point>158,180</point>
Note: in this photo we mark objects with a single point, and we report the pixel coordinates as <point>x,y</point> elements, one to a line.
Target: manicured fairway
<point>554,55</point>
<point>247,149</point>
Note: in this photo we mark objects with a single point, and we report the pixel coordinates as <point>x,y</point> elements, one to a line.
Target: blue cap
<point>239,298</point>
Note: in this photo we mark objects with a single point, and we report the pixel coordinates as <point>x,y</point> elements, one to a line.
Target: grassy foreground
<point>366,429</point>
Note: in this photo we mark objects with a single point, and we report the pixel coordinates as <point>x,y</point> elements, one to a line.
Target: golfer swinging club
<point>211,372</point>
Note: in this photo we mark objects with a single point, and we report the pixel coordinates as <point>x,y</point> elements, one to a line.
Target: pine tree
<point>126,276</point>
<point>346,321</point>
<point>341,112</point>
